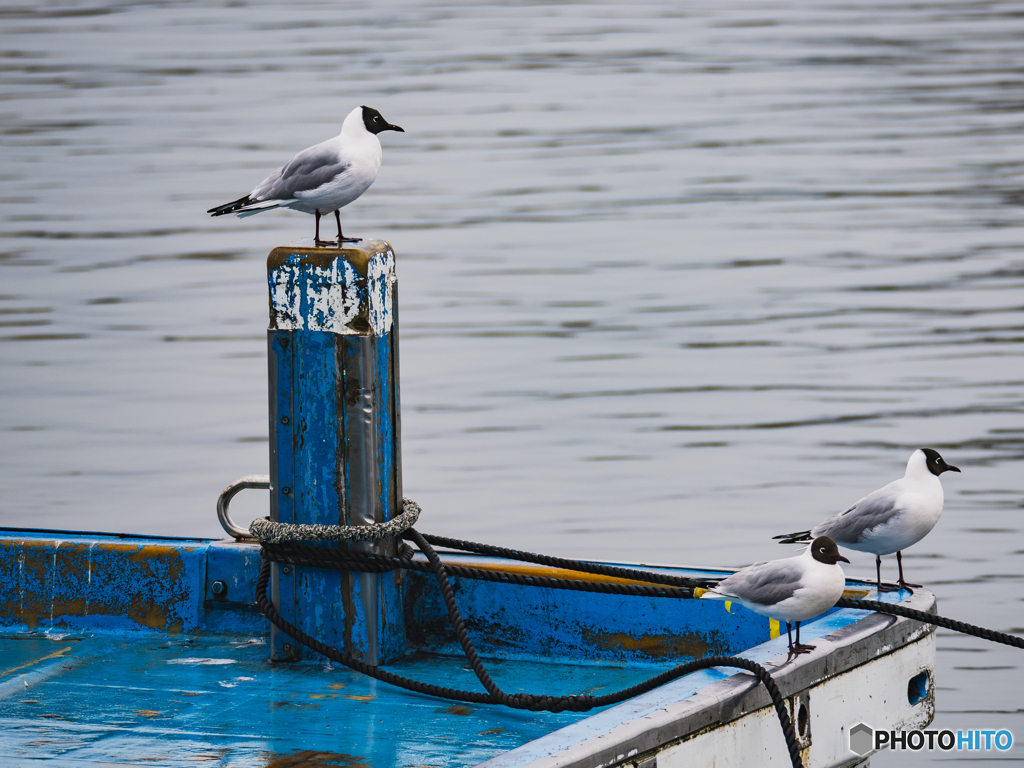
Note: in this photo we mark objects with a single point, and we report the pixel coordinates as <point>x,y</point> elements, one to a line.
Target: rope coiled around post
<point>266,531</point>
<point>319,557</point>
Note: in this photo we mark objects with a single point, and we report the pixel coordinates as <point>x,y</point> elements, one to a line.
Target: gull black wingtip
<point>231,207</point>
<point>793,538</point>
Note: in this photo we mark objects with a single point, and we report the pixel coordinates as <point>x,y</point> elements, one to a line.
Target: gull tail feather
<point>244,206</point>
<point>793,538</point>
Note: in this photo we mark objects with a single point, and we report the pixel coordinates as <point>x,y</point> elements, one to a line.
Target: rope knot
<point>267,532</point>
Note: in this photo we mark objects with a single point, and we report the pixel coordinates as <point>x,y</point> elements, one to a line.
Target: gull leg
<point>878,571</point>
<point>316,239</point>
<point>800,647</point>
<point>902,582</point>
<point>341,237</point>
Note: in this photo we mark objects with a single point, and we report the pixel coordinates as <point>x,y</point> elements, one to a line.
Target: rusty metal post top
<point>342,290</point>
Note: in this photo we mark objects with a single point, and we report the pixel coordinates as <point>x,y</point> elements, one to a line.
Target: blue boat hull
<point>126,650</point>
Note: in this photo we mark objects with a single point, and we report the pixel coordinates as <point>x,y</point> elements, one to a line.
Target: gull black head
<point>935,463</point>
<point>824,550</point>
<point>375,122</point>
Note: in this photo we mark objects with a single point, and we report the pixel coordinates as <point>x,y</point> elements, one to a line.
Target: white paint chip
<point>315,298</point>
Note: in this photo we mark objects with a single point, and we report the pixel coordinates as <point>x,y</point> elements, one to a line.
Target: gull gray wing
<point>764,583</point>
<point>853,525</point>
<point>309,169</point>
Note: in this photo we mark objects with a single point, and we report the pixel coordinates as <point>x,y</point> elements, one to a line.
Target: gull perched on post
<point>891,518</point>
<point>322,178</point>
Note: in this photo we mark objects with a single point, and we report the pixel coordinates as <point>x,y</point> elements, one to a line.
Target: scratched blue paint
<point>676,691</point>
<point>315,441</point>
<point>280,366</point>
<point>324,306</point>
<point>77,582</point>
<point>237,566</point>
<point>308,455</point>
<point>392,587</point>
<point>233,611</point>
<point>123,689</point>
<point>113,700</point>
<point>515,622</point>
<point>318,485</point>
<point>282,465</point>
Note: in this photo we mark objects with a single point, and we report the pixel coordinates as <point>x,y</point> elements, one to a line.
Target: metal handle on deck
<point>249,481</point>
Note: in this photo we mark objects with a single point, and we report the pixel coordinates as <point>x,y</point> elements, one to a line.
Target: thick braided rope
<point>355,561</point>
<point>931,618</point>
<point>494,695</point>
<point>319,557</point>
<point>265,531</point>
<point>572,565</point>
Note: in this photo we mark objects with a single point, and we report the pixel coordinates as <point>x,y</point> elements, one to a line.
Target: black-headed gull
<point>323,178</point>
<point>890,519</point>
<point>791,590</point>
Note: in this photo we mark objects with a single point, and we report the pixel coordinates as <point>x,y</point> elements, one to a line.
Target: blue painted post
<point>335,437</point>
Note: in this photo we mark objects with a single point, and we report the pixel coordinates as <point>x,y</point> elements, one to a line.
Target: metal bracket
<point>249,481</point>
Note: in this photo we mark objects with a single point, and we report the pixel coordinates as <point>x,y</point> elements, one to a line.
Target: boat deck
<point>170,701</point>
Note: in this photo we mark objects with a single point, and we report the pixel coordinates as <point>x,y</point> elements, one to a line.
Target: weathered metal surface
<point>859,670</point>
<point>104,582</point>
<point>516,622</point>
<point>334,436</point>
<point>112,584</point>
<point>137,653</point>
<point>344,291</point>
<point>231,610</point>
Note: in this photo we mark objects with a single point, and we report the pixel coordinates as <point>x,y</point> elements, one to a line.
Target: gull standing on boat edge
<point>323,178</point>
<point>891,518</point>
<point>794,589</point>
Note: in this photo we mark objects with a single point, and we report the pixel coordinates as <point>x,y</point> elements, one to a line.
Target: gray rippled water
<point>674,280</point>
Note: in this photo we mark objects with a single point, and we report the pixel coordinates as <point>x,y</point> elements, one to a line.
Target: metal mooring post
<point>335,428</point>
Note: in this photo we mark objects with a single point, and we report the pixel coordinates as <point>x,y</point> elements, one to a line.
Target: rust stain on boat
<point>294,705</point>
<point>55,581</point>
<point>456,709</point>
<point>690,644</point>
<point>309,758</point>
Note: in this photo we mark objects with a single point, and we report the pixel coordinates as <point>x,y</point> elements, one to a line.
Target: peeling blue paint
<point>138,630</point>
<point>332,364</point>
